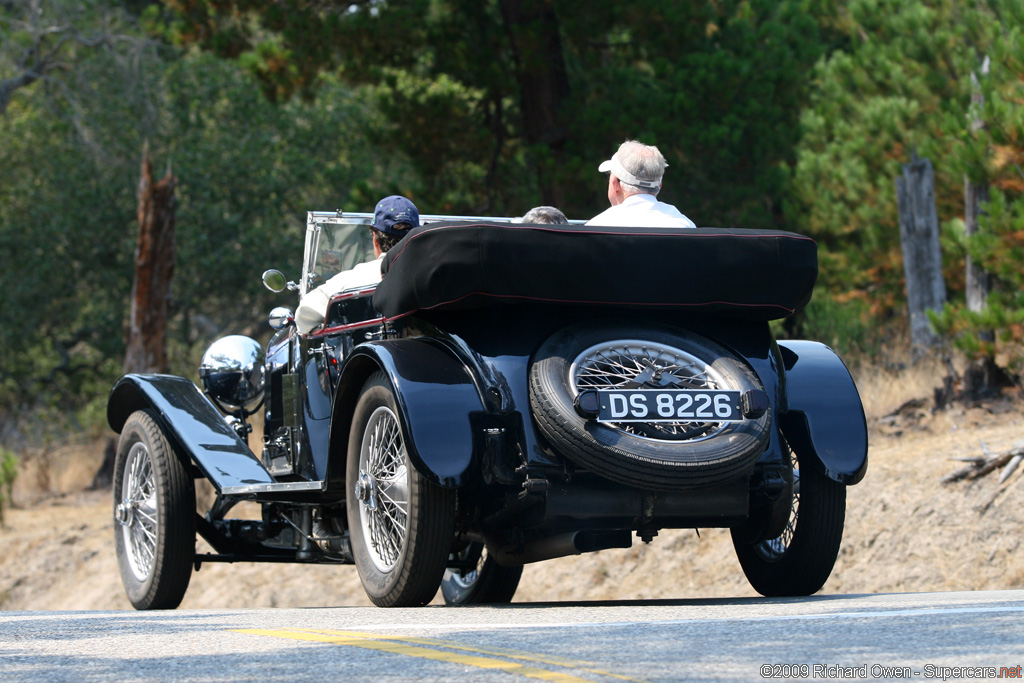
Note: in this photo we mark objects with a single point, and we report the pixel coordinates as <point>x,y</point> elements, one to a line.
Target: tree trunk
<point>922,257</point>
<point>977,283</point>
<point>146,336</point>
<point>533,32</point>
<point>104,476</point>
<point>982,377</point>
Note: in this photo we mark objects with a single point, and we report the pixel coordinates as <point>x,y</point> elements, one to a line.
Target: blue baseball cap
<point>395,209</point>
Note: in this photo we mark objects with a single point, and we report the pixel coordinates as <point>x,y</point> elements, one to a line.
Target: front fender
<point>435,395</point>
<point>825,421</point>
<point>192,422</point>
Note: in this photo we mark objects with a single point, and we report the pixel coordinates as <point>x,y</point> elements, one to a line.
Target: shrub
<point>8,473</point>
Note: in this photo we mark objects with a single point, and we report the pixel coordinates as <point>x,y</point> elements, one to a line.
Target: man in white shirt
<point>634,180</point>
<point>392,220</point>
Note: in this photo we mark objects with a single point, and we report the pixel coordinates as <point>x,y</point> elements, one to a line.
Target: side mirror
<point>274,280</point>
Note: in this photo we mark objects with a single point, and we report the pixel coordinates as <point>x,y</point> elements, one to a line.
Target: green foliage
<point>843,325</point>
<point>59,330</point>
<point>722,103</point>
<point>474,93</point>
<point>988,146</point>
<point>790,114</point>
<point>873,105</point>
<point>912,80</point>
<point>247,171</point>
<point>999,248</point>
<point>8,473</point>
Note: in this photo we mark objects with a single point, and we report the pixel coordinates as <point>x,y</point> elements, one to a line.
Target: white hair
<point>643,161</point>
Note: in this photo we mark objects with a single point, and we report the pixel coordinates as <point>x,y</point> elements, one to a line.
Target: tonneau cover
<point>751,274</point>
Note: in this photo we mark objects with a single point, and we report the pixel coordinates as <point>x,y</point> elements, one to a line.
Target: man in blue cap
<point>392,220</point>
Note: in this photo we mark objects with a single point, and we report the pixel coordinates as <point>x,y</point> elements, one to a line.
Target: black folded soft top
<point>750,274</point>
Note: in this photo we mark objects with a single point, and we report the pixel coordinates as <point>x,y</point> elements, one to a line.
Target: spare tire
<point>659,456</point>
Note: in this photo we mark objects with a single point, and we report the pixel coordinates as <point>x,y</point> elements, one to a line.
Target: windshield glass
<point>341,246</point>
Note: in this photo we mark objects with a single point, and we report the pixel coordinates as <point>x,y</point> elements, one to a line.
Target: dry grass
<point>905,530</point>
<point>884,391</point>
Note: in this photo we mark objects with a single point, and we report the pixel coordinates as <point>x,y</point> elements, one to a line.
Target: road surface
<point>915,636</point>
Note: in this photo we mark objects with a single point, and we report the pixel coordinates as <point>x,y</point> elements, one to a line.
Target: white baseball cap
<point>625,176</point>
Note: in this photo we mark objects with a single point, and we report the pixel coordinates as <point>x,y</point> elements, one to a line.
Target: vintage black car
<point>508,394</point>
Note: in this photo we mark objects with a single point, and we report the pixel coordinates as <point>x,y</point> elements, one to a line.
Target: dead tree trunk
<point>146,337</point>
<point>982,376</point>
<point>146,332</point>
<point>922,257</point>
<point>977,282</point>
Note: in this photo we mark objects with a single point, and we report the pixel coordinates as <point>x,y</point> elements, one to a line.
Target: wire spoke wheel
<point>401,524</point>
<point>154,515</point>
<point>774,549</point>
<point>487,582</point>
<point>640,364</point>
<point>383,489</point>
<point>136,513</point>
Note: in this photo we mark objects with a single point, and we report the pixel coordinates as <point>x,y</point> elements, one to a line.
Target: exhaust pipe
<point>562,545</point>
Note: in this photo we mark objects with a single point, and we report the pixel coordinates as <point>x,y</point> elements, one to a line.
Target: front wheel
<point>154,513</point>
<point>800,559</point>
<point>486,583</point>
<point>401,524</point>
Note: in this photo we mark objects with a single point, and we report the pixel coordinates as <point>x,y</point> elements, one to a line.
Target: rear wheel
<point>401,524</point>
<point>655,455</point>
<point>154,512</point>
<point>800,559</point>
<point>486,583</point>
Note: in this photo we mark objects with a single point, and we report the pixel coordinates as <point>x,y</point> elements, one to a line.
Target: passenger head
<point>392,220</point>
<point>637,167</point>
<point>544,215</point>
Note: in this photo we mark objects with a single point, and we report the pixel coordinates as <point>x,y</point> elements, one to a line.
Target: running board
<point>278,491</point>
<point>292,558</point>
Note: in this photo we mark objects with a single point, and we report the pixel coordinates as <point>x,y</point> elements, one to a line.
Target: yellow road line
<point>414,647</point>
<point>496,652</point>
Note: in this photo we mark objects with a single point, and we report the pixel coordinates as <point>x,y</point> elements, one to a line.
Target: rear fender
<point>192,423</point>
<point>825,422</point>
<point>435,395</point>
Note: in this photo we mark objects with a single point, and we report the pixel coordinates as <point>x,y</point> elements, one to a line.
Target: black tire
<point>154,513</point>
<point>650,456</point>
<point>398,568</point>
<point>799,560</point>
<point>488,584</point>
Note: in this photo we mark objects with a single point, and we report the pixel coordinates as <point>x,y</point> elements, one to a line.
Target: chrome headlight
<point>232,373</point>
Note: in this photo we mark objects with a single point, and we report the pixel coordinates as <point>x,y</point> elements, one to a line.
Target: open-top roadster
<point>508,394</point>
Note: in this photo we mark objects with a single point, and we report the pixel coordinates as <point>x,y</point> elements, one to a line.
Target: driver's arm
<point>313,309</point>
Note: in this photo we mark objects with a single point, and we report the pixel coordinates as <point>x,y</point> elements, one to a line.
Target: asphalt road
<point>917,636</point>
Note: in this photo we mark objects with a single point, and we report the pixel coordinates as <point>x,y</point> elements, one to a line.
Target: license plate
<point>669,405</point>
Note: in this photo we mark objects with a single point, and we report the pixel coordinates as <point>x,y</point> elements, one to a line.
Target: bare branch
<point>1010,467</point>
<point>979,467</point>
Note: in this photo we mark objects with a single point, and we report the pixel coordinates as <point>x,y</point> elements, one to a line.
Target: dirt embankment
<point>906,531</point>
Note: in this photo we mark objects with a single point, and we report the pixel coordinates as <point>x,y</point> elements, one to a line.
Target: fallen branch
<point>978,467</point>
<point>1010,467</point>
